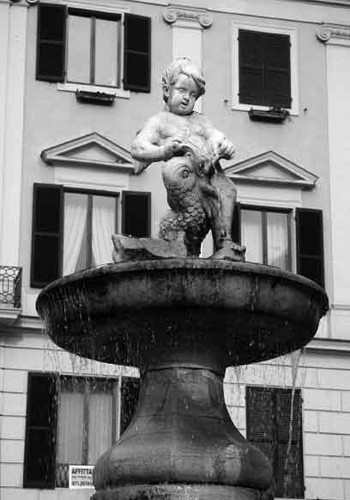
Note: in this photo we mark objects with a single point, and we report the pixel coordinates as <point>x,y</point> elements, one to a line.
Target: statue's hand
<point>225,149</point>
<point>172,147</point>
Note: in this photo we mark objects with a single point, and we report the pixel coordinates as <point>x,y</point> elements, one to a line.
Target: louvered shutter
<point>136,214</point>
<point>41,424</point>
<point>260,420</point>
<point>264,69</point>
<point>309,236</point>
<point>289,476</point>
<point>277,70</point>
<point>129,394</point>
<point>251,67</point>
<point>51,38</point>
<point>137,53</point>
<point>47,235</point>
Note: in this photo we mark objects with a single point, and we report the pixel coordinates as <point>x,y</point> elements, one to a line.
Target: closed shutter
<point>251,67</point>
<point>47,234</point>
<point>41,424</point>
<point>136,215</point>
<point>277,71</point>
<point>260,420</point>
<point>51,39</point>
<point>289,475</point>
<point>309,236</point>
<point>264,69</point>
<point>137,53</point>
<point>129,394</point>
<point>277,432</point>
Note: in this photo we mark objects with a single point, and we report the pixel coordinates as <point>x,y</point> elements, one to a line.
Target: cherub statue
<point>199,194</point>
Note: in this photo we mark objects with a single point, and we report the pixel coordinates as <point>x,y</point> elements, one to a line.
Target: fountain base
<point>181,492</point>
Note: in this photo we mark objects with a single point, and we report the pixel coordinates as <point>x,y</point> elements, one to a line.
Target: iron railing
<point>10,286</point>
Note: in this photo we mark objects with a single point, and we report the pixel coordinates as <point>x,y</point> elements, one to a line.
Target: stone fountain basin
<point>130,312</point>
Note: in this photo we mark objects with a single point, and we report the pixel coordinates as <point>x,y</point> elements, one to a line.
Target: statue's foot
<point>230,251</point>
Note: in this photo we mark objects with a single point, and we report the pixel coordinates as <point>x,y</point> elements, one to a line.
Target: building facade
<point>77,79</point>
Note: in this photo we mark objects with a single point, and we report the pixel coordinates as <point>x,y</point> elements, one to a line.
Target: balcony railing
<point>10,286</point>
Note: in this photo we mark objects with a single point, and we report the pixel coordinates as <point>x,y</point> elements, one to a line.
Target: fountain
<point>182,320</point>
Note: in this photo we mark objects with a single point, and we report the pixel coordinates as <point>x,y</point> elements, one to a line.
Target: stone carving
<point>327,31</point>
<point>172,14</point>
<point>200,196</point>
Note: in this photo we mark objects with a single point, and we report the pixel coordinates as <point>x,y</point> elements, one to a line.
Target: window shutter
<point>50,64</point>
<point>289,474</point>
<point>130,387</point>
<point>251,67</point>
<point>260,420</point>
<point>40,448</point>
<point>278,86</point>
<point>136,216</point>
<point>264,69</point>
<point>309,237</point>
<point>47,234</point>
<point>137,53</point>
<point>236,224</point>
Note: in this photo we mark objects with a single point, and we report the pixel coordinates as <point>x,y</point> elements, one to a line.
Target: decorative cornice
<point>173,13</point>
<point>327,31</point>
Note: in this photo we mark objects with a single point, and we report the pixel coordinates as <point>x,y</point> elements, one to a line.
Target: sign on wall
<point>80,476</point>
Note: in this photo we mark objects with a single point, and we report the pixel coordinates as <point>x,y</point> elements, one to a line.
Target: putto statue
<point>200,196</point>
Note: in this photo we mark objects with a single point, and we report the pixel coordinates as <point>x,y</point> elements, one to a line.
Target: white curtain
<point>100,424</point>
<point>103,226</point>
<point>277,239</point>
<point>70,428</point>
<point>251,223</point>
<point>75,215</point>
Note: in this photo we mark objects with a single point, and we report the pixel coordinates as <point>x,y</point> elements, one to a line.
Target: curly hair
<point>184,66</point>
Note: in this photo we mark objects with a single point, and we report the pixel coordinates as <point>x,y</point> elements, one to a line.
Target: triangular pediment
<point>271,168</point>
<point>92,150</point>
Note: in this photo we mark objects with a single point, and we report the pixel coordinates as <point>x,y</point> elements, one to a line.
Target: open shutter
<point>47,234</point>
<point>289,475</point>
<point>129,395</point>
<point>136,216</point>
<point>40,448</point>
<point>277,71</point>
<point>50,64</point>
<point>137,53</point>
<point>251,67</point>
<point>236,224</point>
<point>309,228</point>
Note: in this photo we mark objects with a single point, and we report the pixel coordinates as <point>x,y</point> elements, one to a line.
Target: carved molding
<point>172,14</point>
<point>327,31</point>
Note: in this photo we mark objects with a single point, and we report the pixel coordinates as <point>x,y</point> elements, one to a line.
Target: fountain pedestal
<point>182,321</point>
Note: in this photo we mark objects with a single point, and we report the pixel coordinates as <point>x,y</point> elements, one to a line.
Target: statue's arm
<point>221,146</point>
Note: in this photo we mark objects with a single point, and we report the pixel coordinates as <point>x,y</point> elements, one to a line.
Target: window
<point>274,425</point>
<point>265,68</point>
<point>74,228</point>
<point>64,428</point>
<point>267,235</point>
<point>78,46</point>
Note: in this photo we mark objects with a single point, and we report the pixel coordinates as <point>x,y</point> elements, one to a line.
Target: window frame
<point>278,30</point>
<point>263,209</point>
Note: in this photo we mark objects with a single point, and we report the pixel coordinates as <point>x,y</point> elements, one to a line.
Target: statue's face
<point>182,96</point>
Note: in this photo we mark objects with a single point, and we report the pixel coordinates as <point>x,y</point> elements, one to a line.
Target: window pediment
<point>271,168</point>
<point>92,150</point>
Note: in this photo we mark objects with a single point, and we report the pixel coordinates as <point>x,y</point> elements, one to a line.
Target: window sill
<point>94,89</point>
<point>247,107</point>
<point>271,115</point>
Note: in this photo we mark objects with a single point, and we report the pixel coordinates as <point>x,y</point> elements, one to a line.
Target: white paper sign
<point>80,476</point>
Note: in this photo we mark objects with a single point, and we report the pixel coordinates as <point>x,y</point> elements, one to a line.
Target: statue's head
<point>182,66</point>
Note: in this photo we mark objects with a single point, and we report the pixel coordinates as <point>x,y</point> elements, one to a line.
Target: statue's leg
<point>222,219</point>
